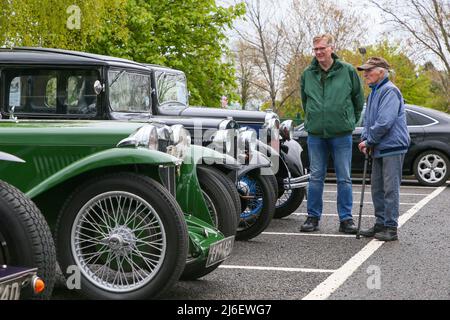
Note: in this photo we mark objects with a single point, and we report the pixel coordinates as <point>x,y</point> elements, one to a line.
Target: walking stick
<point>361,203</point>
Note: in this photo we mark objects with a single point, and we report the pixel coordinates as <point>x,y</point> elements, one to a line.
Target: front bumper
<point>207,243</point>
<point>296,183</point>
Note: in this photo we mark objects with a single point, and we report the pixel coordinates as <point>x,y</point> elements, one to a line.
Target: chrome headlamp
<point>271,126</point>
<point>146,136</point>
<point>287,130</point>
<point>247,141</point>
<point>180,141</point>
<point>223,139</point>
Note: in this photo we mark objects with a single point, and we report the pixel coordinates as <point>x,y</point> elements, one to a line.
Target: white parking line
<point>401,187</point>
<point>330,215</point>
<point>369,202</point>
<point>331,235</point>
<point>277,269</point>
<point>334,281</point>
<point>368,193</point>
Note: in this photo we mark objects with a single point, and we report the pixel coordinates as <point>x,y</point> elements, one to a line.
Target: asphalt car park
<point>284,264</point>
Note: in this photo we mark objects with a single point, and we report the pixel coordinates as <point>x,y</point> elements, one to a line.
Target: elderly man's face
<point>322,50</point>
<point>373,76</point>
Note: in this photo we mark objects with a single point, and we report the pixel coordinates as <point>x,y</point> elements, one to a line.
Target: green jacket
<point>333,109</point>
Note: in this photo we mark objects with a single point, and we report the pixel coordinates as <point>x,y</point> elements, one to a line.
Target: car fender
<point>258,161</point>
<point>102,159</point>
<point>292,157</point>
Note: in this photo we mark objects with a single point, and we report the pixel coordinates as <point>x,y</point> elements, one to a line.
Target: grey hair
<point>386,71</point>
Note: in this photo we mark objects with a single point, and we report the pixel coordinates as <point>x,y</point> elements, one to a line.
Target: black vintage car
<point>274,139</point>
<point>63,84</point>
<point>428,155</point>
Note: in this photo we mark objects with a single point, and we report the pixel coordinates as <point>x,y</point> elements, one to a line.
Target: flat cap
<point>374,62</point>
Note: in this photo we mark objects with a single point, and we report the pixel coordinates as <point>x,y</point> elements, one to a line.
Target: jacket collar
<point>315,66</point>
<point>378,85</point>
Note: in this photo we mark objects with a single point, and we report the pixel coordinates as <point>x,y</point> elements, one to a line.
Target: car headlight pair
<point>174,140</point>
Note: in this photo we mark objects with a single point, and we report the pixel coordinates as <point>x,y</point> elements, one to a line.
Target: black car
<point>428,155</point>
<point>274,138</point>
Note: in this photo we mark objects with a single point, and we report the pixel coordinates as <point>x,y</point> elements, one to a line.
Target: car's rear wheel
<point>432,168</point>
<point>25,238</point>
<point>127,236</point>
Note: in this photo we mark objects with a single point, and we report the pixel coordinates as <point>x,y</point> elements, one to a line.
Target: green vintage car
<point>124,208</point>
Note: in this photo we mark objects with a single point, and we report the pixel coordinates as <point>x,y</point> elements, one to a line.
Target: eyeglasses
<point>320,49</point>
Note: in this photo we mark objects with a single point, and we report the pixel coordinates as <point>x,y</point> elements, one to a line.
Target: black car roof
<point>49,56</point>
<point>163,68</point>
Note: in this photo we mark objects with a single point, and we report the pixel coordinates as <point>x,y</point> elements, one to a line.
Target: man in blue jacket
<point>385,136</point>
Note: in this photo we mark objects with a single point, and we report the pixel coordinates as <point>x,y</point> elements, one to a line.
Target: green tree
<point>188,35</point>
<point>66,24</point>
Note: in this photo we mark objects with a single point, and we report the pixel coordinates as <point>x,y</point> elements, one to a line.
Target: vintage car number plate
<point>219,251</point>
<point>12,280</point>
<point>10,290</point>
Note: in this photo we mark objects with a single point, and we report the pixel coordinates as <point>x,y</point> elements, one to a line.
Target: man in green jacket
<point>332,98</point>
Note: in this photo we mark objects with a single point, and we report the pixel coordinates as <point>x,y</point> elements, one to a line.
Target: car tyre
<point>27,236</point>
<point>288,201</point>
<point>97,210</point>
<point>220,202</point>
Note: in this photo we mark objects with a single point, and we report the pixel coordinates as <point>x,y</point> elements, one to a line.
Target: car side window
<point>37,91</point>
<point>129,92</point>
<point>171,88</point>
<point>417,119</point>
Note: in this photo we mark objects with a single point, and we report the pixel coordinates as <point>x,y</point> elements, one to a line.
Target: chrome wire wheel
<point>252,201</point>
<point>118,241</point>
<point>281,201</point>
<point>432,168</point>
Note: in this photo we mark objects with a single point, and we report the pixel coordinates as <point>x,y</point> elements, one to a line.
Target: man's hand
<point>362,147</point>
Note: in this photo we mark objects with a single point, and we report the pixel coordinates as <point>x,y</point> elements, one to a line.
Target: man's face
<point>373,76</point>
<point>322,50</point>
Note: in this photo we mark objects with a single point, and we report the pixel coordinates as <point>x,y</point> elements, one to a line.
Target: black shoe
<point>348,226</point>
<point>371,232</point>
<point>311,224</point>
<point>388,234</point>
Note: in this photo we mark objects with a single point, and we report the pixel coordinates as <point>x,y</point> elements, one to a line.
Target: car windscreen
<point>129,91</point>
<point>171,90</point>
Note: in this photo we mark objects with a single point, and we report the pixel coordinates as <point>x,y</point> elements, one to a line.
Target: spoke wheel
<point>118,241</point>
<point>126,234</point>
<point>257,204</point>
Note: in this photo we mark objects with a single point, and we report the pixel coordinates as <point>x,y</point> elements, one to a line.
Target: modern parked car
<point>428,155</point>
<point>27,252</point>
<point>76,85</point>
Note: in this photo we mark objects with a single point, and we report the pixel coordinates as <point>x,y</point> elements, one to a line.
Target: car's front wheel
<point>257,205</point>
<point>432,168</point>
<point>126,235</point>
<point>288,201</point>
